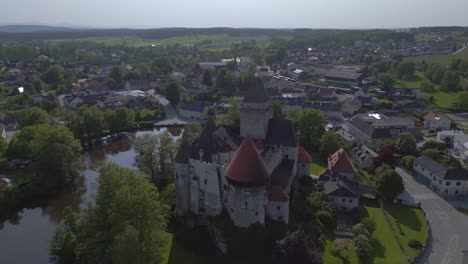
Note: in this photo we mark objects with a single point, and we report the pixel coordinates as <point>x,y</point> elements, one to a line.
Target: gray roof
<point>281,132</point>
<point>431,165</point>
<point>342,188</point>
<point>456,174</point>
<point>193,107</point>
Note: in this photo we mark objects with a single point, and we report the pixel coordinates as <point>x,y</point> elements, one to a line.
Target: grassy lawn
<point>413,82</point>
<point>413,225</point>
<point>176,254</point>
<point>441,99</point>
<point>385,249</point>
<point>317,166</point>
<point>442,59</point>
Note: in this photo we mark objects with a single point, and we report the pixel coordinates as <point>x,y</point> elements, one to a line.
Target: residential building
<point>447,182</point>
<point>342,194</point>
<point>340,165</point>
<point>458,140</point>
<point>375,130</point>
<point>192,110</point>
<point>142,85</point>
<point>364,156</point>
<point>212,65</point>
<point>344,77</point>
<point>296,74</point>
<point>248,171</point>
<point>435,121</point>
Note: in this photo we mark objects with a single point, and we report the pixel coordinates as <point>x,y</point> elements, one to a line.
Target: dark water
<point>27,239</point>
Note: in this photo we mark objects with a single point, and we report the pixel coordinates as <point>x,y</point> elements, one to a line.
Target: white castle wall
<point>254,119</point>
<point>182,188</point>
<point>208,186</point>
<point>246,206</point>
<point>278,211</point>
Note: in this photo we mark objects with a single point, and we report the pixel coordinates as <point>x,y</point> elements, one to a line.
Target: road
<point>449,226</point>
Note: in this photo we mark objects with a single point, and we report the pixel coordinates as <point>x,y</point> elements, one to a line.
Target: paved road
<point>449,227</point>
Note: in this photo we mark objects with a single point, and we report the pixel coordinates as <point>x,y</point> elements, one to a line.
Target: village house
<point>326,93</point>
<point>447,182</point>
<point>436,121</point>
<point>212,65</point>
<point>375,129</point>
<point>340,166</point>
<point>364,156</point>
<point>458,142</point>
<point>8,121</point>
<point>344,77</point>
<point>247,170</point>
<point>192,110</point>
<point>142,85</point>
<point>342,194</point>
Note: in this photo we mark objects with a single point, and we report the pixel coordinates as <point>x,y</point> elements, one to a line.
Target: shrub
<point>415,244</point>
<point>408,161</point>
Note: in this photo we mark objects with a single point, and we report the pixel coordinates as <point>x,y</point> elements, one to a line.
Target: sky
<point>358,14</point>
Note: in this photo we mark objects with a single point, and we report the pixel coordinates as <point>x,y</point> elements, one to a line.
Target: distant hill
<point>31,28</point>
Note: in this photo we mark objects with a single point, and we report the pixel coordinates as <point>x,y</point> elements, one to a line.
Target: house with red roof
<point>340,164</point>
<point>246,171</point>
<point>436,121</point>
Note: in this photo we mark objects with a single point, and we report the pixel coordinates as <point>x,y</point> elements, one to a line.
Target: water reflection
<point>26,237</point>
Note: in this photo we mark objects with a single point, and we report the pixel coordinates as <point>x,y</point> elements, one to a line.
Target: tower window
<point>206,181</point>
<point>256,213</point>
<point>278,208</point>
<point>245,203</point>
<point>232,210</point>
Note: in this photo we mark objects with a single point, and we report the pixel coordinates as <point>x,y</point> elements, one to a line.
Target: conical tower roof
<point>247,167</point>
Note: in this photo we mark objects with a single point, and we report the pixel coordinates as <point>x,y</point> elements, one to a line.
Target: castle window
<point>350,200</point>
<point>278,208</point>
<point>206,181</point>
<point>256,213</point>
<point>245,203</point>
<point>343,200</point>
<point>232,210</point>
<point>280,218</point>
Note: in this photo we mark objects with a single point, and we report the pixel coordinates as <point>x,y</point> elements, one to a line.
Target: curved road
<point>449,226</point>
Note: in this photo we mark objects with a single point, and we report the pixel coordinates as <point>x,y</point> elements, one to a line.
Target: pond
<point>26,239</point>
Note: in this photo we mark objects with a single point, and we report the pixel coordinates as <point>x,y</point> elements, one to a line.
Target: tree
<point>363,246</point>
<point>91,122</point>
<point>246,80</point>
<point>427,86</point>
<point>126,224</point>
<point>405,69</point>
<point>298,248</point>
<point>63,243</point>
<point>407,162</point>
<point>233,113</point>
<point>434,144</point>
<point>56,152</point>
<point>53,75</point>
<point>389,183</point>
<point>386,80</point>
<point>31,116</point>
<point>310,123</point>
<point>120,120</point>
<point>277,110</point>
<point>116,74</point>
<point>460,102</point>
<point>433,154</point>
<point>192,131</point>
<point>450,81</point>
<point>330,142</point>
<point>406,144</point>
<point>225,81</point>
<point>207,80</point>
<point>172,91</point>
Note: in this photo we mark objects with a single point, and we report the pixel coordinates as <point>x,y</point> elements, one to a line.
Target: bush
<point>415,244</point>
<point>408,161</point>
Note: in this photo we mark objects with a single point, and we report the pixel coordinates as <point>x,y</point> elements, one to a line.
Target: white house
<point>342,194</point>
<point>435,121</point>
<point>447,182</point>
<point>459,141</point>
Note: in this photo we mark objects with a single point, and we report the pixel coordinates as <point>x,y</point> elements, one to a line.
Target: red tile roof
<point>339,162</point>
<point>247,167</point>
<point>259,144</point>
<point>277,194</point>
<point>303,156</point>
<point>433,116</point>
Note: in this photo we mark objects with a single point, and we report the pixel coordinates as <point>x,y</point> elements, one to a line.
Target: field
<point>441,99</point>
<point>317,166</point>
<point>207,42</point>
<point>412,224</point>
<point>442,59</point>
<point>385,248</point>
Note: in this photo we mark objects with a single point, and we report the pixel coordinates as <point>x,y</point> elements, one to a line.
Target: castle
<point>247,170</point>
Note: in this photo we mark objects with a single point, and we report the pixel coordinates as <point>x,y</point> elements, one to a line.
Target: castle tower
<point>255,112</point>
<point>182,178</point>
<point>247,176</point>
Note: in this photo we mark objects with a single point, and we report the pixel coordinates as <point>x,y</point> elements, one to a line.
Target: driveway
<point>449,227</point>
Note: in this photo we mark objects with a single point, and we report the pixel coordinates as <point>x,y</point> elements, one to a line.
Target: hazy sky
<point>237,13</point>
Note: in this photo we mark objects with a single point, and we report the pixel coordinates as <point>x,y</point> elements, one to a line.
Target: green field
<point>412,223</point>
<point>317,166</point>
<point>385,249</point>
<point>442,59</point>
<point>208,42</point>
